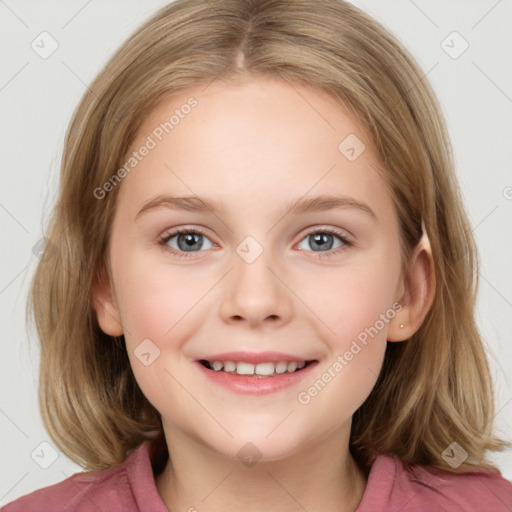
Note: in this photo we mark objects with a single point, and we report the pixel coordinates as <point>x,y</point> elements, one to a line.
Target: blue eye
<point>323,239</point>
<point>185,239</point>
<point>189,241</point>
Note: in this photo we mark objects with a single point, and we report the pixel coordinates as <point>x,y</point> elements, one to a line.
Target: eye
<point>323,240</point>
<point>182,242</point>
<point>186,241</point>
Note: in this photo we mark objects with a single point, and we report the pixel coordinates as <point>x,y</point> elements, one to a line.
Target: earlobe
<point>103,302</point>
<point>419,291</point>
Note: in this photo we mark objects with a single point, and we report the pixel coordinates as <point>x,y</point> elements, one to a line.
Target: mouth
<point>260,370</point>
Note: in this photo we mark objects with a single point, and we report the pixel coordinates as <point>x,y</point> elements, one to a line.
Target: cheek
<point>355,305</point>
<point>354,298</point>
<point>157,303</point>
<point>153,299</point>
<point>357,312</point>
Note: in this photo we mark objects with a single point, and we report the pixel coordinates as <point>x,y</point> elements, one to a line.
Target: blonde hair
<point>434,389</point>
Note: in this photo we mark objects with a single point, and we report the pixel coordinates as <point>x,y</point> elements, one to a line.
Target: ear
<point>105,305</point>
<point>418,286</point>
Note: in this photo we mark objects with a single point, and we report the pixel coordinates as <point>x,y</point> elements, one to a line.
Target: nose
<point>256,293</point>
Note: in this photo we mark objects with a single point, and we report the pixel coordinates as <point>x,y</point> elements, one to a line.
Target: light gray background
<point>37,99</point>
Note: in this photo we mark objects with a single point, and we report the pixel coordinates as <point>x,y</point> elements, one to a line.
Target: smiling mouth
<point>260,370</point>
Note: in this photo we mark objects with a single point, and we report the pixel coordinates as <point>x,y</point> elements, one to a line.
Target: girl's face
<point>254,275</point>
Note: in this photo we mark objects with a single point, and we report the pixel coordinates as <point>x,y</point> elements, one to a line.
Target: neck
<point>322,477</point>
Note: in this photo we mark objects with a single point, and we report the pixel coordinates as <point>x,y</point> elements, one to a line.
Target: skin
<point>258,144</point>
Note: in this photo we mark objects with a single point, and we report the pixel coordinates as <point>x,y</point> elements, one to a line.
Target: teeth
<point>281,367</point>
<point>216,365</point>
<point>229,366</point>
<point>262,369</point>
<point>292,367</point>
<point>244,368</point>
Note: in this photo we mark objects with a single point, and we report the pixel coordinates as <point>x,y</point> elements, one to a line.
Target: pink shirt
<point>130,487</point>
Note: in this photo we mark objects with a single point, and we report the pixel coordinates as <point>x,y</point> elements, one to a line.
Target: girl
<point>262,288</point>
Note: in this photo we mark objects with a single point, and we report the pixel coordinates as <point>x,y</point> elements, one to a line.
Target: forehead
<point>258,134</point>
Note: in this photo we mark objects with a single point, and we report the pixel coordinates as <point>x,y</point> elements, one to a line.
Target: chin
<point>257,446</point>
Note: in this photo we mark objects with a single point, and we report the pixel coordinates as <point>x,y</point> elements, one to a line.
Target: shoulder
<point>394,486</point>
<point>109,489</point>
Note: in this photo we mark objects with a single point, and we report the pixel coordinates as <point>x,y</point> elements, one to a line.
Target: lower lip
<point>252,385</point>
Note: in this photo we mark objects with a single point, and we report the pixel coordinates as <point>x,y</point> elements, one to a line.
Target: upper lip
<point>254,357</point>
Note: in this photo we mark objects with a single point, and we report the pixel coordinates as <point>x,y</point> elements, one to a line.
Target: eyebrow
<point>297,207</point>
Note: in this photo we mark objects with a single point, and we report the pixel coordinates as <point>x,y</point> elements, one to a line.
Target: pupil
<point>190,241</point>
<point>322,241</point>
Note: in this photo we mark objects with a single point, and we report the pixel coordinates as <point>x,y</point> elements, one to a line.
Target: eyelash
<point>163,241</point>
